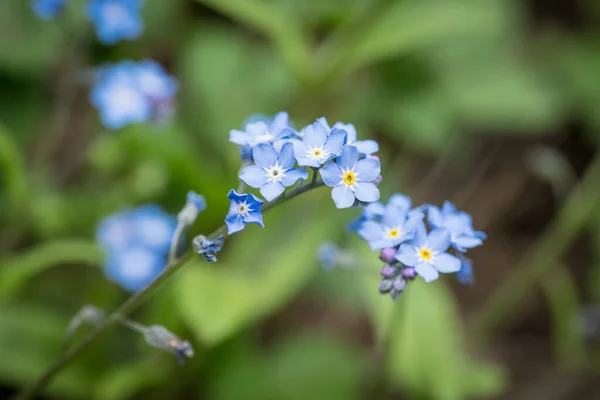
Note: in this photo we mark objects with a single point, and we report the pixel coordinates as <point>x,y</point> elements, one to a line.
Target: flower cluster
<point>114,20</point>
<point>137,243</point>
<point>130,92</point>
<point>278,156</point>
<point>409,249</point>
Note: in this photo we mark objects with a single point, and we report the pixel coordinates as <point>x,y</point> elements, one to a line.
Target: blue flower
<point>197,200</point>
<point>273,172</point>
<point>208,248</point>
<point>458,223</point>
<point>135,267</point>
<point>116,232</point>
<point>262,132</point>
<point>351,179</point>
<point>244,209</point>
<point>366,147</point>
<point>465,273</point>
<point>116,20</point>
<point>153,227</point>
<point>375,210</point>
<point>397,225</point>
<point>47,9</point>
<point>328,255</point>
<point>154,82</point>
<point>318,145</point>
<point>428,253</point>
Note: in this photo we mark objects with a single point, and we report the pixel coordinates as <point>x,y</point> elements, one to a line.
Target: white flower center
<point>274,173</point>
<point>317,153</point>
<point>242,209</point>
<point>265,138</point>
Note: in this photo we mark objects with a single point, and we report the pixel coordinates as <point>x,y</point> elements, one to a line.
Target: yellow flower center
<point>349,178</point>
<point>317,152</point>
<point>393,233</point>
<point>425,254</point>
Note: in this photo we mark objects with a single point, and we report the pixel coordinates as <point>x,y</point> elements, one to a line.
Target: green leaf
<point>258,274</point>
<point>124,381</point>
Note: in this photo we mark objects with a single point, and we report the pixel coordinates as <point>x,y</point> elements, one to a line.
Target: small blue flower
<point>397,225</point>
<point>273,172</point>
<point>208,248</point>
<point>328,255</point>
<point>351,179</point>
<point>374,211</point>
<point>154,82</point>
<point>366,147</point>
<point>116,232</point>
<point>318,145</point>
<point>47,9</point>
<point>197,200</point>
<point>458,223</point>
<point>135,267</point>
<point>116,20</point>
<point>465,273</point>
<point>428,253</point>
<point>153,227</point>
<point>262,132</point>
<point>244,209</point>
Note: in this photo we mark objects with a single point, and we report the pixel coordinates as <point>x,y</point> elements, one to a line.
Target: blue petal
<point>349,158</point>
<point>315,135</point>
<point>447,263</point>
<point>370,231</point>
<point>374,210</point>
<point>235,223</point>
<point>367,170</point>
<point>427,271</point>
<point>254,176</point>
<point>467,242</point>
<point>264,155</point>
<point>235,196</point>
<point>350,130</point>
<point>448,208</point>
<point>254,218</point>
<point>435,217</point>
<point>331,174</point>
<point>342,196</point>
<point>280,122</point>
<point>366,146</point>
<point>457,223</point>
<point>335,142</point>
<point>324,123</point>
<point>394,216</point>
<point>271,190</point>
<point>366,191</point>
<point>439,240</point>
<point>286,158</point>
<point>400,200</point>
<point>407,255</point>
<point>291,176</point>
<point>420,235</point>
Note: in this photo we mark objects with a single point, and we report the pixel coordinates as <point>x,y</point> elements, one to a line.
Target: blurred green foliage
<point>424,75</point>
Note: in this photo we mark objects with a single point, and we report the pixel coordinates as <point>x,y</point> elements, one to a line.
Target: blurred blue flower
<point>135,267</point>
<point>328,255</point>
<point>458,223</point>
<point>427,253</point>
<point>375,210</point>
<point>116,20</point>
<point>116,232</point>
<point>465,273</point>
<point>244,209</point>
<point>397,225</point>
<point>366,147</point>
<point>351,178</point>
<point>273,172</point>
<point>260,131</point>
<point>318,145</point>
<point>130,92</point>
<point>154,228</point>
<point>197,200</point>
<point>208,248</point>
<point>48,9</point>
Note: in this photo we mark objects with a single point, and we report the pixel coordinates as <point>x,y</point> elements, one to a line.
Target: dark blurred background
<point>491,104</point>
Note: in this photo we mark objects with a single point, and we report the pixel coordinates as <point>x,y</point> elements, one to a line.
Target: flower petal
<point>407,255</point>
<point>350,131</point>
<point>291,176</point>
<point>400,200</point>
<point>286,158</point>
<point>254,176</point>
<point>439,240</point>
<point>342,196</point>
<point>366,146</point>
<point>348,158</point>
<point>420,235</point>
<point>366,191</point>
<point>467,242</point>
<point>254,218</point>
<point>447,263</point>
<point>271,190</point>
<point>435,217</point>
<point>235,223</point>
<point>331,174</point>
<point>238,137</point>
<point>315,134</point>
<point>427,271</point>
<point>264,155</point>
<point>370,231</point>
<point>367,170</point>
<point>335,142</point>
<point>448,208</point>
<point>374,210</point>
<point>394,216</point>
<point>280,122</point>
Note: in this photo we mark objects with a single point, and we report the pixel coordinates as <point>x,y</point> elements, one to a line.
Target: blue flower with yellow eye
<point>374,211</point>
<point>244,209</point>
<point>273,171</point>
<point>116,20</point>
<point>366,147</point>
<point>458,223</point>
<point>397,225</point>
<point>318,145</point>
<point>261,131</point>
<point>351,178</point>
<point>47,9</point>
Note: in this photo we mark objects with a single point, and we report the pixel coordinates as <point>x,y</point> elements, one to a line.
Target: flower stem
<point>139,298</point>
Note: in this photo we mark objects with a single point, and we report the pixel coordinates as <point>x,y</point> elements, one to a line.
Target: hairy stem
<point>139,298</point>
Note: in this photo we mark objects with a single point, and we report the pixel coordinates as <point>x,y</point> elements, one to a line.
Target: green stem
<point>139,298</point>
<point>542,257</point>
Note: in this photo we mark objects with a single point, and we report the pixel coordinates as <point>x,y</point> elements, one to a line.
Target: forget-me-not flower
<point>47,9</point>
<point>208,248</point>
<point>318,145</point>
<point>458,223</point>
<point>427,253</point>
<point>465,273</point>
<point>351,178</point>
<point>134,268</point>
<point>116,20</point>
<point>153,227</point>
<point>272,172</point>
<point>366,147</point>
<point>374,211</point>
<point>328,255</point>
<point>397,225</point>
<point>244,209</point>
<point>262,132</point>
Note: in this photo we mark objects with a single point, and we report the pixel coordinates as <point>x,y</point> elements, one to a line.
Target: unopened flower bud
<point>385,285</point>
<point>387,255</point>
<point>409,273</point>
<point>195,204</point>
<point>388,271</point>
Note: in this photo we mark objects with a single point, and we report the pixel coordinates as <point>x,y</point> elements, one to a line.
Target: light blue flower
<point>318,145</point>
<point>272,172</point>
<point>328,255</point>
<point>154,82</point>
<point>366,147</point>
<point>134,268</point>
<point>153,227</point>
<point>465,273</point>
<point>351,178</point>
<point>208,248</point>
<point>197,200</point>
<point>116,20</point>
<point>375,210</point>
<point>262,132</point>
<point>428,253</point>
<point>47,9</point>
<point>116,232</point>
<point>397,225</point>
<point>244,209</point>
<point>458,223</point>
